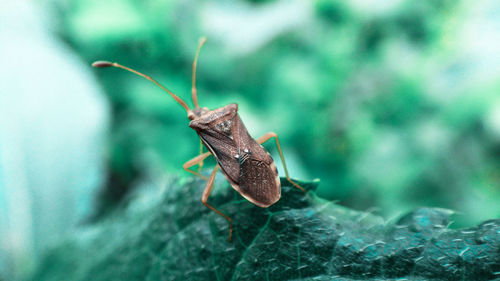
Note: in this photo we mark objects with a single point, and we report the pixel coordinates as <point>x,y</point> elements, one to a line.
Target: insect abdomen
<point>259,182</point>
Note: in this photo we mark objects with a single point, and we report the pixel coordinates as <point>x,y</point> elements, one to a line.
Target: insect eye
<point>246,150</point>
<point>236,156</point>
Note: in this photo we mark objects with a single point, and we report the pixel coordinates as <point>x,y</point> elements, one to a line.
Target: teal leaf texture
<point>171,235</point>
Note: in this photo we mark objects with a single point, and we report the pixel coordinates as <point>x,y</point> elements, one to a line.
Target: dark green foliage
<point>170,235</point>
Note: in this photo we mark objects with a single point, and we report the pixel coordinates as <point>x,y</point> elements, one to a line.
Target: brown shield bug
<point>247,166</point>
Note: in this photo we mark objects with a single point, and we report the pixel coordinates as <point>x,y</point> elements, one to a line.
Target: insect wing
<point>258,183</point>
<point>223,150</point>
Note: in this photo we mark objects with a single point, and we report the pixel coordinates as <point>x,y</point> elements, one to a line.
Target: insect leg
<point>195,161</point>
<point>206,193</point>
<point>265,138</point>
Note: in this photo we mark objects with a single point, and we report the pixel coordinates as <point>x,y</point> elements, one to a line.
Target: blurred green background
<point>392,104</point>
<point>386,105</point>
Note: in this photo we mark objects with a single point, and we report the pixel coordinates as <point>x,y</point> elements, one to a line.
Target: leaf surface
<point>170,235</point>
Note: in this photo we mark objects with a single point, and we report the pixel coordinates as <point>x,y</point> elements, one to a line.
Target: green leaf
<point>171,235</point>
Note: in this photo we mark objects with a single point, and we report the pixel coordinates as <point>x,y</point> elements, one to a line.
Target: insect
<point>245,163</point>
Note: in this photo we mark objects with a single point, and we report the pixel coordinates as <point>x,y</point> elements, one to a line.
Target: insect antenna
<point>114,64</point>
<point>195,62</point>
